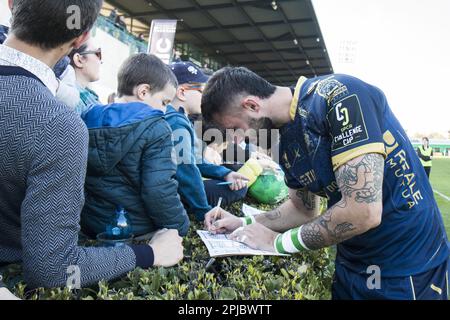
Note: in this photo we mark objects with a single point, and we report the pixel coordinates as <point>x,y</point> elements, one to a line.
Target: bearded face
<point>261,124</point>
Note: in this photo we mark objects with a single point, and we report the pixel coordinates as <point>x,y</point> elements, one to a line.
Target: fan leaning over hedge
<point>339,139</point>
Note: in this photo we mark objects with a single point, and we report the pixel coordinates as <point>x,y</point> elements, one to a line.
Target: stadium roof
<point>280,40</point>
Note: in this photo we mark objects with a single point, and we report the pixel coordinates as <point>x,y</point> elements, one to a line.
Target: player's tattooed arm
<point>362,179</point>
<point>302,207</point>
<point>308,199</point>
<point>273,215</point>
<point>361,182</point>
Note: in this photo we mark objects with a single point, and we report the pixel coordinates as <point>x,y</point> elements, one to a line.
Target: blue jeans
<point>214,192</point>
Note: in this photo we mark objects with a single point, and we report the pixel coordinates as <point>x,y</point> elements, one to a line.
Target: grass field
<point>440,180</point>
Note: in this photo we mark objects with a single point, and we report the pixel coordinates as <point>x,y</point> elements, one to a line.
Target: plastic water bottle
<point>120,227</point>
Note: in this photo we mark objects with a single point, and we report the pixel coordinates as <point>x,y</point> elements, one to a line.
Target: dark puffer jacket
<point>130,164</point>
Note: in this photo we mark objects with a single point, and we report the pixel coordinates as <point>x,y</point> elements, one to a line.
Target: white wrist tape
<point>248,221</point>
<point>290,242</point>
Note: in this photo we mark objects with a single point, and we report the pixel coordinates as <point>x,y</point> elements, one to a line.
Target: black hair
<point>143,68</point>
<point>81,49</point>
<point>49,23</point>
<point>227,84</point>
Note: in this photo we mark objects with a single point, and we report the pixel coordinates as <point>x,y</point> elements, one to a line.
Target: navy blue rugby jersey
<point>337,118</point>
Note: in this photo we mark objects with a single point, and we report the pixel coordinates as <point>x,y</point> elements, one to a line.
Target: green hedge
<point>304,276</point>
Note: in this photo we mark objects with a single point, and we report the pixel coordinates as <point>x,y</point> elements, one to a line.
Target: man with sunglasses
<point>196,194</point>
<point>86,62</point>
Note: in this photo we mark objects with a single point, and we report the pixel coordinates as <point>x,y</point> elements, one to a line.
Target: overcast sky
<point>402,47</point>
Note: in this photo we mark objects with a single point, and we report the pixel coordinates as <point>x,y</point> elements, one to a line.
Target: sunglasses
<point>98,53</point>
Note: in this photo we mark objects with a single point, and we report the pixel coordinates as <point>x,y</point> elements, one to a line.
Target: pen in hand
<point>225,183</point>
<point>216,212</point>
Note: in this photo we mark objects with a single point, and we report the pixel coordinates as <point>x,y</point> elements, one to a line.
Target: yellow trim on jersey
<point>436,288</point>
<point>346,156</point>
<point>294,103</point>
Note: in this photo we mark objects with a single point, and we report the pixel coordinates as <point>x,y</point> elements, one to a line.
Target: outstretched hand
<point>255,236</point>
<point>238,181</point>
<point>219,221</point>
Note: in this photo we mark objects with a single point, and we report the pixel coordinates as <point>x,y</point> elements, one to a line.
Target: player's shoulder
<point>333,87</point>
<point>323,95</point>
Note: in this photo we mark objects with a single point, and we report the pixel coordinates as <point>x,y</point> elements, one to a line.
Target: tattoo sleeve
<point>308,199</point>
<point>302,207</point>
<point>360,181</point>
<point>273,215</point>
